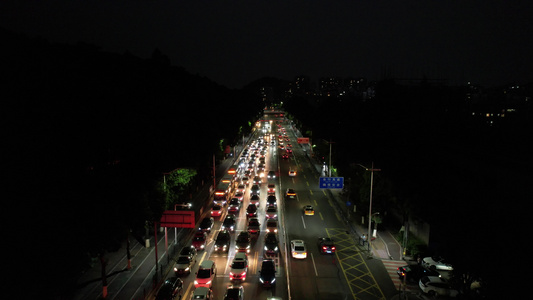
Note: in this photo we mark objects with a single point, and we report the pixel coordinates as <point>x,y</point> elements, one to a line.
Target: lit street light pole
<point>370,206</point>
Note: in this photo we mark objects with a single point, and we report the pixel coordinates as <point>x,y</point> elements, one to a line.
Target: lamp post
<point>370,206</point>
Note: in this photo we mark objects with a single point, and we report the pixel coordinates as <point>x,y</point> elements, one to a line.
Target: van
<point>206,274</point>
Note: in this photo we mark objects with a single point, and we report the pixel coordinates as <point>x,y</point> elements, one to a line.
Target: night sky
<point>236,42</point>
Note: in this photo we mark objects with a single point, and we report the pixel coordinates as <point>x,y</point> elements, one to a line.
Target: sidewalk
<point>142,271</point>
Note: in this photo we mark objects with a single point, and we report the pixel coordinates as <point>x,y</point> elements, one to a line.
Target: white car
<point>436,285</point>
<point>436,263</point>
<point>239,267</point>
<point>292,172</point>
<point>298,249</point>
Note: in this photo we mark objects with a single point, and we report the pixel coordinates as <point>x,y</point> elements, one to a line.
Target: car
<point>216,210</point>
<point>245,180</point>
<point>326,245</point>
<point>239,267</point>
<point>285,156</point>
<point>271,201</point>
<point>292,172</point>
<point>242,242</point>
<point>290,193</point>
<point>271,175</point>
<point>206,224</point>
<point>202,293</point>
<point>234,206</point>
<point>257,180</point>
<point>437,286</point>
<point>241,188</point>
<point>222,241</point>
<point>272,225</point>
<point>255,190</point>
<point>206,274</point>
<point>229,223</point>
<point>288,150</point>
<point>271,247</point>
<point>234,292</point>
<point>271,188</point>
<point>199,240</point>
<point>251,210</point>
<point>413,272</point>
<point>309,210</point>
<point>170,289</point>
<point>185,261</point>
<point>436,263</point>
<point>254,199</point>
<point>254,227</point>
<point>267,274</point>
<point>271,212</point>
<point>298,249</point>
<point>239,196</point>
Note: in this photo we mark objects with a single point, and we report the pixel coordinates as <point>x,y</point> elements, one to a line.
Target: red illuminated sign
<point>178,218</point>
<point>303,140</point>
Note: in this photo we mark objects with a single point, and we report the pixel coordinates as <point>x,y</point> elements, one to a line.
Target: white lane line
<point>303,222</point>
<point>314,265</point>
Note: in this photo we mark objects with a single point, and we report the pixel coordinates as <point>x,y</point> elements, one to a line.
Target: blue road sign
<point>331,182</point>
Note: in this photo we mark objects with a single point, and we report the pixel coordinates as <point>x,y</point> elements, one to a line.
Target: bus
<point>222,193</point>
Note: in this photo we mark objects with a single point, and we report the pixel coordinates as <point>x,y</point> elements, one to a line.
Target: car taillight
<point>333,248</point>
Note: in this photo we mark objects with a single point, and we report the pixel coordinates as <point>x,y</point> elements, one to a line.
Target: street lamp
<point>370,206</point>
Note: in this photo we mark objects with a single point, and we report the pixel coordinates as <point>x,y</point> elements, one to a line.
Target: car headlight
<point>261,279</point>
<point>187,269</point>
<point>266,248</point>
<point>276,249</point>
<point>273,280</point>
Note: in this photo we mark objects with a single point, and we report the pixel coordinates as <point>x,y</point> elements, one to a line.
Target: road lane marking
<point>303,222</point>
<point>314,265</point>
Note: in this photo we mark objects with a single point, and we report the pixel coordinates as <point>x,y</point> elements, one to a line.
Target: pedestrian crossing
<point>392,267</point>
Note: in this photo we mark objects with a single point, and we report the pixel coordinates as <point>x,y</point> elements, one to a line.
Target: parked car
<point>171,288</point>
<point>436,263</point>
<point>437,286</point>
<point>267,274</point>
<point>414,272</point>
